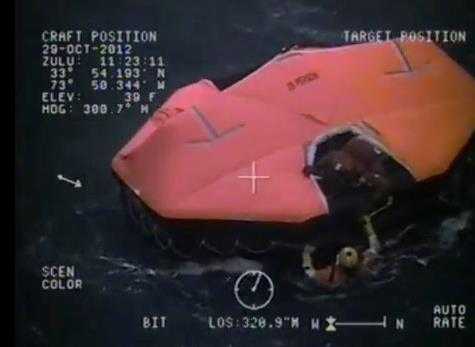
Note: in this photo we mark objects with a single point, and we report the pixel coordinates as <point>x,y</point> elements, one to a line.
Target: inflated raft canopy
<point>312,126</point>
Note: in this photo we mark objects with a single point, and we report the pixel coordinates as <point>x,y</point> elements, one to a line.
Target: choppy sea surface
<point>126,277</point>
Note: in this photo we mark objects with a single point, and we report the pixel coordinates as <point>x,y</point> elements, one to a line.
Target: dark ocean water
<point>125,276</point>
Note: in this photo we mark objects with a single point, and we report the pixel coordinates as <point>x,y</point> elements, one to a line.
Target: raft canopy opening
<point>352,167</point>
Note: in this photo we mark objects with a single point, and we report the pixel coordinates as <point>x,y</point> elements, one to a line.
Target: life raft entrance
<point>354,171</point>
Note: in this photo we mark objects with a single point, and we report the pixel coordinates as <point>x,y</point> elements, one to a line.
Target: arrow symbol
<point>76,183</point>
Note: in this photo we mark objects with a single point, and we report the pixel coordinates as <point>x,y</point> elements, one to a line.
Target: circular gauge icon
<point>254,290</point>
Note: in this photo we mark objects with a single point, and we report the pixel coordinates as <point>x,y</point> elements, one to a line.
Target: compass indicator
<point>254,290</point>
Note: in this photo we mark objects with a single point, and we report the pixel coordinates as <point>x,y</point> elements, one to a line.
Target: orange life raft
<point>238,153</point>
